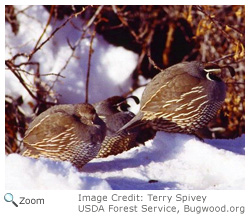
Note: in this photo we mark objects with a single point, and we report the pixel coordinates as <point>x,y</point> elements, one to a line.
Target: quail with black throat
<point>182,98</point>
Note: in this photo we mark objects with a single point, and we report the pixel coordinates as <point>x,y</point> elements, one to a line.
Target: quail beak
<point>102,117</point>
<point>94,120</point>
<point>87,122</point>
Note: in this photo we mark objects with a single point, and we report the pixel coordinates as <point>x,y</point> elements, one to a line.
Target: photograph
<point>124,97</point>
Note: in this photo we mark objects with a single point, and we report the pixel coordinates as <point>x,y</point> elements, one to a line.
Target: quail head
<point>114,112</point>
<point>67,133</point>
<point>182,98</point>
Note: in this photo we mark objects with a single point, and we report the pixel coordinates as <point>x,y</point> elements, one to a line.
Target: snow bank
<point>26,173</point>
<point>170,161</point>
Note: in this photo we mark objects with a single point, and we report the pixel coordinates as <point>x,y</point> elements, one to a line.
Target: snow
<point>47,174</point>
<point>169,161</point>
<point>174,161</point>
<point>110,66</point>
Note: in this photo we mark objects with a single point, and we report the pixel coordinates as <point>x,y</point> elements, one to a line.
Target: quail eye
<point>212,77</point>
<point>123,107</point>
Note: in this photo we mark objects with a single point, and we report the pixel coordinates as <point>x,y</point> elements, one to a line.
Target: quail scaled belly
<point>113,111</point>
<point>67,133</point>
<point>181,99</point>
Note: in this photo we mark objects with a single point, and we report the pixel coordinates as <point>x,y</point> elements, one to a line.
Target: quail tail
<point>134,123</point>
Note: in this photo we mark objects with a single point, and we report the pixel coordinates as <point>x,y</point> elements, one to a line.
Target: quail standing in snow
<point>113,111</point>
<point>67,133</point>
<point>182,98</point>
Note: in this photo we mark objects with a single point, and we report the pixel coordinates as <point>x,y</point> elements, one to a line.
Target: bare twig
<point>92,19</point>
<point>224,57</point>
<point>22,11</point>
<point>13,69</point>
<point>88,70</point>
<point>45,28</point>
<point>54,32</point>
<point>151,61</point>
<point>125,23</point>
<point>77,43</point>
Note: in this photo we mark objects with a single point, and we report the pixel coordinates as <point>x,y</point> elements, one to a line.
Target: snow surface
<point>169,161</point>
<point>172,161</point>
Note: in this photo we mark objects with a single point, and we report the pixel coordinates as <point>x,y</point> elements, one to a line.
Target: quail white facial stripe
<point>208,77</point>
<point>212,70</point>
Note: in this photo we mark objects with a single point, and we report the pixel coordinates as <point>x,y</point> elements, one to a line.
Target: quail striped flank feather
<point>182,98</point>
<point>67,133</point>
<point>113,111</point>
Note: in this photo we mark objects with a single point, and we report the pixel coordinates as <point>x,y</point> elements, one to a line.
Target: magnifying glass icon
<point>8,197</point>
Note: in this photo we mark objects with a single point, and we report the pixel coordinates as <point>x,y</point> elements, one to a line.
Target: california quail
<point>65,132</point>
<point>182,98</point>
<point>113,111</point>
